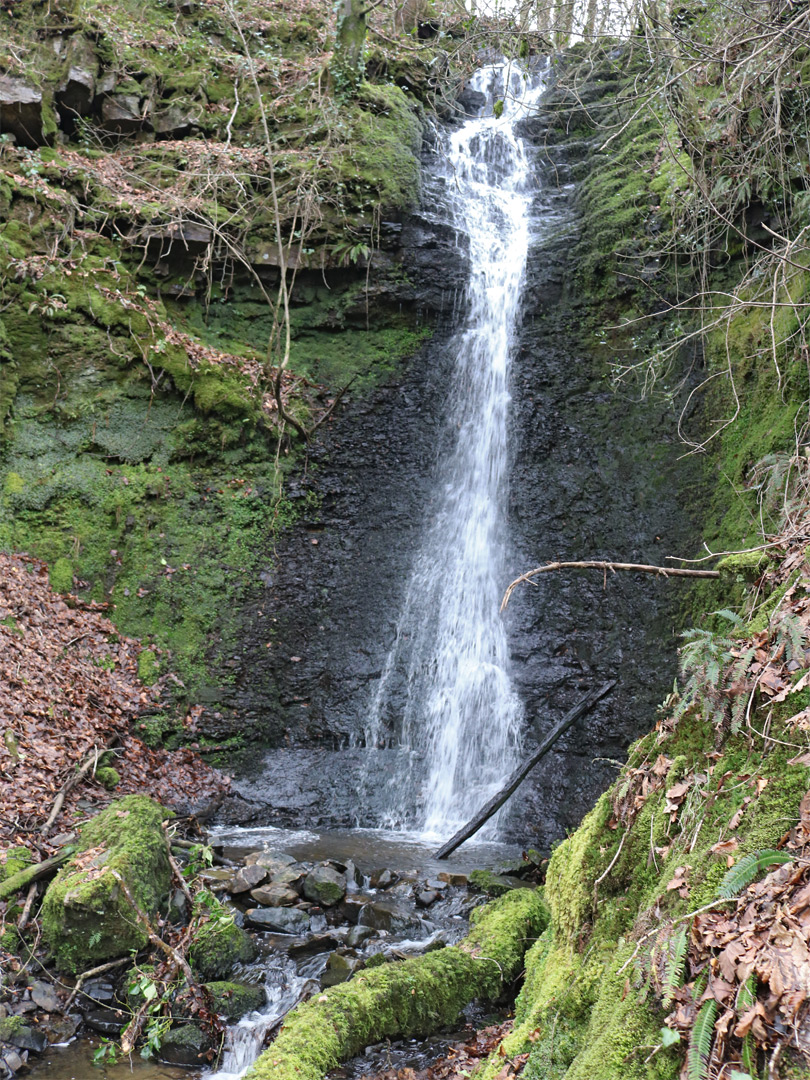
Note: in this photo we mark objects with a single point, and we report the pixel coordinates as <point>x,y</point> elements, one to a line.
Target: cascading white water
<point>244,1041</point>
<point>459,728</point>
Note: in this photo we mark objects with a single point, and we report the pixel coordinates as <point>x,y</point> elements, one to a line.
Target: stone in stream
<point>354,877</point>
<point>247,878</point>
<point>453,879</point>
<point>13,1061</point>
<point>426,898</point>
<point>353,904</point>
<point>233,1000</point>
<point>185,1045</point>
<point>382,879</point>
<point>282,920</point>
<point>292,875</point>
<point>275,895</point>
<point>435,885</point>
<point>317,944</point>
<point>110,1022</point>
<point>359,935</point>
<point>325,885</point>
<point>16,1032</point>
<point>340,967</point>
<point>386,915</point>
<point>273,862</point>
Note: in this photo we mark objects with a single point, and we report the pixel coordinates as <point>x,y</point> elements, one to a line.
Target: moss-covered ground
<point>141,452</point>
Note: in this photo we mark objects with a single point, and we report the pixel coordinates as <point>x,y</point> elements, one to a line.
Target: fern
<point>738,673</point>
<point>748,1056</point>
<point>731,616</point>
<point>748,869</point>
<point>676,963</point>
<point>790,633</point>
<point>747,994</point>
<point>700,1042</point>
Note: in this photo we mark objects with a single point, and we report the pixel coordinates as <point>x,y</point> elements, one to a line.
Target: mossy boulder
<point>186,1045</point>
<point>87,916</point>
<point>233,1000</point>
<point>220,944</point>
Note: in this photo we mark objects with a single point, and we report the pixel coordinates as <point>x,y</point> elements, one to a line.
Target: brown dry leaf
<point>725,847</point>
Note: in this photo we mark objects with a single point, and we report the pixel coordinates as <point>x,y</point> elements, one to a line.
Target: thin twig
<point>599,564</point>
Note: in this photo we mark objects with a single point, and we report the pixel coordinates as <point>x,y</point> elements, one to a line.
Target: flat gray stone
<point>275,895</point>
<point>281,920</point>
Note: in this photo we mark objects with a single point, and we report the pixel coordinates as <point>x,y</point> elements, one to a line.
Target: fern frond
<point>747,994</point>
<point>676,963</point>
<point>730,616</point>
<point>713,671</point>
<point>700,1042</point>
<point>748,869</point>
<point>748,1056</point>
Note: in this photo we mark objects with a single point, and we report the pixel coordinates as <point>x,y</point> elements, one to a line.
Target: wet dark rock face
<point>594,476</point>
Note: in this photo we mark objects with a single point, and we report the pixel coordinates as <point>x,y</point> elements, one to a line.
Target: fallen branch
<point>90,763</point>
<point>598,564</point>
<point>520,774</point>
<point>17,882</point>
<point>100,969</point>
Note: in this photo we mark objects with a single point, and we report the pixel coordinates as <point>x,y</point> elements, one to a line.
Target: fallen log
<point>520,774</point>
<point>406,998</point>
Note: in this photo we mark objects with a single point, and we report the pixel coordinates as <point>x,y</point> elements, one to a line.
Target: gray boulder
<point>275,895</point>
<point>21,112</point>
<point>280,920</point>
<point>324,885</point>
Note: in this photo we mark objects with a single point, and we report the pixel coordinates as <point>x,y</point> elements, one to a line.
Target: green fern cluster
<point>748,869</point>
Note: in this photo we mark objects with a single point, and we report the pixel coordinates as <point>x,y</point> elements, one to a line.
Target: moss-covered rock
<point>220,944</point>
<point>13,861</point>
<point>87,917</point>
<point>233,1000</point>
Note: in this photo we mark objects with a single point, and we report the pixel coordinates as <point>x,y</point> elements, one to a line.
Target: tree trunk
<point>348,61</point>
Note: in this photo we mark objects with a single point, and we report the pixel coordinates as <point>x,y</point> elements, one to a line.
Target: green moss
<point>86,915</point>
<point>108,777</point>
<point>233,1000</point>
<point>148,666</point>
<point>219,945</point>
<point>13,861</point>
<point>61,576</point>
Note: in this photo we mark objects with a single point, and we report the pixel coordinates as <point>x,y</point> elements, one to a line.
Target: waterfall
<point>445,697</point>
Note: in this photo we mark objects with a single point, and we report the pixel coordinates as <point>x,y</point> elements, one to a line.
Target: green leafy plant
<point>700,1042</point>
<point>748,869</point>
<point>106,1053</point>
<point>676,963</point>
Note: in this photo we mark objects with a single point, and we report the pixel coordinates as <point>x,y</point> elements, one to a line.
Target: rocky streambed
<point>288,928</point>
